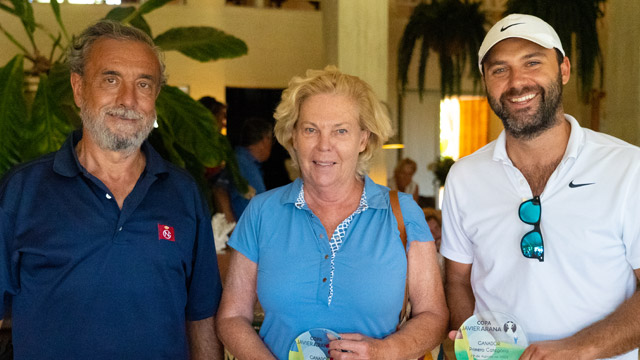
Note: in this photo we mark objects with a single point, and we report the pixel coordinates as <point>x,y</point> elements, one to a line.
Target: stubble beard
<point>124,141</point>
<point>522,125</point>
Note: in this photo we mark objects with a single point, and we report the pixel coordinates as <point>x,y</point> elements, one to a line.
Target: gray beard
<point>524,126</point>
<point>106,139</point>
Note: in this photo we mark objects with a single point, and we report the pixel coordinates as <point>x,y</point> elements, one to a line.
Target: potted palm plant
<point>440,169</point>
<point>37,122</point>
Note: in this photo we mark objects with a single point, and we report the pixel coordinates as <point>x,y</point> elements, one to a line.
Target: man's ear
<point>565,70</point>
<point>76,85</point>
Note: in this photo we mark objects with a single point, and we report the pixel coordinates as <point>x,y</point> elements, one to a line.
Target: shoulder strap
<point>397,211</point>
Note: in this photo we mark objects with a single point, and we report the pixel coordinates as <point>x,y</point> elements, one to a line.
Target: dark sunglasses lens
<point>530,212</point>
<point>531,245</point>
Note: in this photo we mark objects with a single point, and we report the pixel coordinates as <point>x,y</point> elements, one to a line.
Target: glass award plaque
<point>490,335</point>
<point>312,345</point>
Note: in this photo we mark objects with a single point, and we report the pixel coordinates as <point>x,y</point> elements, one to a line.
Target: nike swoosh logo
<point>572,185</point>
<point>508,26</point>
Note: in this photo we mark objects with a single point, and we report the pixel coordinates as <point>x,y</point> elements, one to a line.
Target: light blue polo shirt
<point>294,259</point>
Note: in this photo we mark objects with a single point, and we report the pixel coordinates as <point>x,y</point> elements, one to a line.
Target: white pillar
<point>356,41</point>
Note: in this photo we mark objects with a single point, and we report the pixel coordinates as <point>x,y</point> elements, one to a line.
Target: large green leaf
<point>13,112</point>
<point>56,11</point>
<point>201,43</point>
<point>191,125</point>
<point>164,141</point>
<point>121,13</point>
<point>150,5</point>
<point>24,10</point>
<point>7,9</point>
<point>145,8</point>
<point>59,76</point>
<point>63,94</point>
<point>186,132</point>
<point>48,127</point>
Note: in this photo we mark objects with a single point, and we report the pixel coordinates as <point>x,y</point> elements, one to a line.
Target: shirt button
<point>120,228</point>
<point>326,257</point>
<point>108,196</point>
<point>324,280</point>
<point>321,236</point>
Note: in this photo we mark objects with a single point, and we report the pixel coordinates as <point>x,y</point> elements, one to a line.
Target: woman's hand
<point>357,346</point>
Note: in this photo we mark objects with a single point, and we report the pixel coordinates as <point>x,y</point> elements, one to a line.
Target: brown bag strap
<point>397,211</point>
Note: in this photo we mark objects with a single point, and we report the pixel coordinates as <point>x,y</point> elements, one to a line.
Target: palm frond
<point>454,30</point>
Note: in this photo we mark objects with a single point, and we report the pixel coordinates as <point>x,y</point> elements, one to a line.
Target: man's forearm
<point>461,304</point>
<point>616,334</point>
<point>203,342</point>
<point>459,295</point>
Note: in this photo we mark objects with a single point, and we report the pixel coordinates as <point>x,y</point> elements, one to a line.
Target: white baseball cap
<point>521,26</point>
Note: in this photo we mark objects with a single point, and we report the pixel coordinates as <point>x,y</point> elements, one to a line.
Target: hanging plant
<point>454,29</point>
<point>571,18</point>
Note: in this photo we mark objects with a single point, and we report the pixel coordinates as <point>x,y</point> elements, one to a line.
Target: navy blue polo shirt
<point>88,280</point>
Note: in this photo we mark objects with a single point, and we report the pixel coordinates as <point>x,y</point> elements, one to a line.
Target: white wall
<point>282,43</point>
<point>621,115</point>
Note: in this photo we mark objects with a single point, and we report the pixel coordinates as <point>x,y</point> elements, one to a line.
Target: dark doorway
<point>244,103</point>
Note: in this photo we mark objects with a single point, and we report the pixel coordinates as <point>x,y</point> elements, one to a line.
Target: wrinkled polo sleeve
<point>10,194</point>
<point>455,245</point>
<point>8,285</point>
<point>414,220</point>
<point>205,287</point>
<point>245,235</point>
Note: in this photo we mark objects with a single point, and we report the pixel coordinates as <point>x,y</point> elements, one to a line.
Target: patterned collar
<point>339,234</point>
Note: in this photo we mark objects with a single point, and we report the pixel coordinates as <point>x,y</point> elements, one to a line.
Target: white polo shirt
<point>590,223</point>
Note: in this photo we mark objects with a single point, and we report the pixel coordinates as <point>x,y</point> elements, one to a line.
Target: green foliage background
<point>33,123</point>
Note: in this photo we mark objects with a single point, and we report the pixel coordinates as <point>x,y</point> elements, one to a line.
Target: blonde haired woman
<point>324,251</point>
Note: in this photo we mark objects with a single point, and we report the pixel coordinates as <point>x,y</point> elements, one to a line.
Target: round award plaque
<point>312,345</point>
<point>490,335</point>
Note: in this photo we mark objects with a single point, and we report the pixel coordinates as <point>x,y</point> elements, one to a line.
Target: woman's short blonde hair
<point>372,115</point>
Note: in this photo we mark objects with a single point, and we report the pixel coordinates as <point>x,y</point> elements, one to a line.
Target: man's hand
<point>556,349</point>
<point>357,346</point>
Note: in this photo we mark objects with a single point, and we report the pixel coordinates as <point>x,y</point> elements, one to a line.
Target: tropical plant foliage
<point>440,169</point>
<point>32,125</point>
<point>571,18</point>
<point>454,29</point>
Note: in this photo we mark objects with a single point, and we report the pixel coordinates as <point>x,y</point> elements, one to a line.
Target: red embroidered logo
<point>166,233</point>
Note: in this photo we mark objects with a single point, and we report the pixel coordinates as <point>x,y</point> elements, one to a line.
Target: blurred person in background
<point>402,179</point>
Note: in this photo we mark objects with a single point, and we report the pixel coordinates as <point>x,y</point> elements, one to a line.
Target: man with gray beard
<point>107,249</point>
<point>542,224</point>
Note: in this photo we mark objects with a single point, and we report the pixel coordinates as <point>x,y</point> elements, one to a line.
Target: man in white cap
<point>542,223</point>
